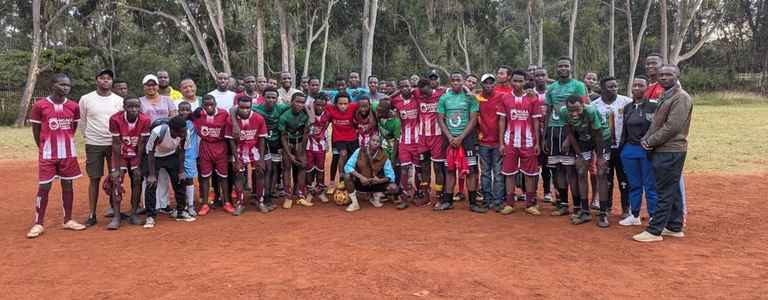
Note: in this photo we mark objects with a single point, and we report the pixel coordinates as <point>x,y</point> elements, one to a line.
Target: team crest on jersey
<point>204,131</point>
<point>126,140</point>
<point>53,123</point>
<point>454,120</point>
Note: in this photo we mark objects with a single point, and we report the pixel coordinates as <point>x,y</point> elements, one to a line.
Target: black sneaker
<point>185,217</point>
<point>602,220</point>
<point>560,210</point>
<point>442,206</point>
<point>239,210</point>
<point>478,209</point>
<point>584,217</point>
<point>90,221</point>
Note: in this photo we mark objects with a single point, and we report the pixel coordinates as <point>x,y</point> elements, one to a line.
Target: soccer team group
<point>254,141</point>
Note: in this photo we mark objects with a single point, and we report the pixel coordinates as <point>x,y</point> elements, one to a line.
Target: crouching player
<point>589,134</point>
<point>54,121</point>
<point>249,151</point>
<point>165,150</point>
<point>369,170</point>
<point>211,126</point>
<point>316,147</point>
<point>520,114</point>
<point>129,129</point>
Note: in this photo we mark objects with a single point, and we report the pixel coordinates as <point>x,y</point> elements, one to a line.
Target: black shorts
<point>376,188</point>
<point>273,151</point>
<point>470,146</point>
<point>555,137</point>
<point>350,146</point>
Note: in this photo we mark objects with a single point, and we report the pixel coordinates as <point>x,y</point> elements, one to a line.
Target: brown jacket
<point>669,129</point>
<point>371,166</point>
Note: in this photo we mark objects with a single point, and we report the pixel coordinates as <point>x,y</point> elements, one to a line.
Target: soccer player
<point>365,121</point>
<point>652,63</point>
<point>555,144</point>
<point>316,146</point>
<point>434,81</point>
<point>373,90</point>
<point>589,134</point>
<point>54,121</point>
<point>130,130</point>
<point>286,90</point>
<point>250,89</point>
<point>540,86</point>
<point>432,141</point>
<point>520,113</point>
<point>491,181</point>
<point>370,171</point>
<point>95,110</point>
<point>249,150</point>
<point>409,148</point>
<point>120,87</point>
<point>503,84</point>
<point>457,118</point>
<point>211,126</point>
<point>271,111</point>
<point>189,94</point>
<point>389,130</point>
<point>165,151</point>
<point>637,119</point>
<point>344,138</point>
<point>592,84</point>
<point>190,157</point>
<point>611,105</point>
<point>292,125</point>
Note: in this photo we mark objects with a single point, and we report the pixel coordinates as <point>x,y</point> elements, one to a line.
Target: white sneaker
<point>149,223</point>
<point>667,232</point>
<point>73,225</point>
<point>630,221</point>
<point>35,231</point>
<point>323,197</point>
<point>646,236</point>
<point>191,211</point>
<point>376,200</point>
<point>353,206</point>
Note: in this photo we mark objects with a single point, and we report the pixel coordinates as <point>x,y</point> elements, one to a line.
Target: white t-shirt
<point>95,111</point>
<point>617,108</point>
<point>284,96</point>
<point>167,145</point>
<point>224,100</point>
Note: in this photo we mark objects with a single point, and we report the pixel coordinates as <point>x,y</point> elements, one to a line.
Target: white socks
<point>190,191</point>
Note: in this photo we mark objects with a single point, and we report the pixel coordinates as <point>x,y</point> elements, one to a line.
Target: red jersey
<point>365,127</point>
<point>251,130</point>
<point>129,133</point>
<point>500,89</point>
<point>213,129</point>
<point>58,123</point>
<point>489,123</point>
<point>409,119</point>
<point>428,112</point>
<point>256,100</point>
<point>654,91</point>
<point>343,124</point>
<point>316,140</point>
<point>521,113</point>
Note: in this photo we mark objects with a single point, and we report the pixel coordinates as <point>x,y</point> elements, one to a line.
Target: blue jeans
<point>491,180</point>
<point>639,173</point>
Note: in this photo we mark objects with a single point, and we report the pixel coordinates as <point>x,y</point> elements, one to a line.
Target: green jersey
<point>270,118</point>
<point>557,93</point>
<point>456,108</point>
<point>583,126</point>
<point>389,130</point>
<point>293,124</point>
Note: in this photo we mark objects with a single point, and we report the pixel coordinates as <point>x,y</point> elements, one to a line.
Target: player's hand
<point>182,176</point>
<point>259,167</point>
<point>546,147</point>
<point>502,149</point>
<point>136,173</point>
<point>566,146</point>
<point>602,164</point>
<point>645,146</point>
<point>115,174</point>
<point>365,181</point>
<point>531,92</point>
<point>151,180</point>
<point>238,164</point>
<point>536,149</point>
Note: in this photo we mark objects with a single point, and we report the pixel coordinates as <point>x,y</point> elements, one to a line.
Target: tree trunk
<point>370,11</point>
<point>611,40</point>
<point>325,52</point>
<point>461,36</point>
<point>312,35</point>
<point>284,36</point>
<point>530,32</point>
<point>216,14</point>
<point>664,32</point>
<point>572,31</point>
<point>259,38</point>
<point>541,33</point>
<point>421,52</point>
<point>634,45</point>
<point>34,67</point>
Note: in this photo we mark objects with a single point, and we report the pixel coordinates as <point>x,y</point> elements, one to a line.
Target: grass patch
<point>18,144</point>
<point>728,98</point>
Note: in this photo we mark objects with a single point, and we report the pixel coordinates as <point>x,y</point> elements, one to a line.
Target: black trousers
<point>616,169</point>
<point>171,165</point>
<point>667,167</point>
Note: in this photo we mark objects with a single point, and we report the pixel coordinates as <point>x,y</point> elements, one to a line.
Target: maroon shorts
<point>408,154</point>
<point>129,163</point>
<point>435,146</point>
<point>315,160</point>
<point>213,156</point>
<point>520,160</point>
<point>49,169</point>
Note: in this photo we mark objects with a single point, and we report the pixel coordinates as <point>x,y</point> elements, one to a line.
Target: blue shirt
<point>352,162</point>
<point>194,143</point>
<point>354,94</point>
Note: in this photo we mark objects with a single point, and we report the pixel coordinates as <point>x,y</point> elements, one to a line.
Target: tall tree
<point>370,12</point>
<point>687,11</point>
<point>216,14</point>
<point>572,31</point>
<point>285,36</point>
<point>611,42</point>
<point>312,35</point>
<point>664,44</point>
<point>634,44</point>
<point>259,37</point>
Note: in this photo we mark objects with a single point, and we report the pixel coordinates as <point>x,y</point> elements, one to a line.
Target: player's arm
<point>180,157</point>
<point>443,127</point>
<point>140,154</point>
<point>234,122</point>
<point>154,140</point>
<point>612,126</point>
<point>349,168</point>
<point>679,113</point>
<point>261,163</point>
<point>233,145</point>
<point>502,121</point>
<point>83,111</point>
<point>116,143</point>
<point>36,133</point>
<point>537,139</point>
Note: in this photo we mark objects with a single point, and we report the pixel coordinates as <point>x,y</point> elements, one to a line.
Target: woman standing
<point>157,106</point>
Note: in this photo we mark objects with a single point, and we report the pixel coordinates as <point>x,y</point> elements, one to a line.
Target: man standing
<point>457,118</point>
<point>558,150</point>
<point>225,98</point>
<point>503,85</point>
<point>95,110</point>
<point>611,107</point>
<point>655,89</point>
<point>286,90</point>
<point>540,80</point>
<point>593,89</point>
<point>667,138</point>
<point>251,89</point>
<point>431,138</point>
<point>373,90</point>
<point>189,93</point>
<point>165,88</point>
<point>434,81</point>
<point>120,87</point>
<point>491,181</point>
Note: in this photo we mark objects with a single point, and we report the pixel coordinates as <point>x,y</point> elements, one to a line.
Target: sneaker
<point>403,204</point>
<point>646,236</point>
<point>141,211</point>
<point>584,217</point>
<point>602,220</point>
<point>458,197</point>
<point>73,225</point>
<point>478,208</point>
<point>35,231</point>
<point>134,219</point>
<point>110,212</point>
<point>560,211</point>
<point>595,205</point>
<point>191,211</point>
<point>533,210</point>
<point>548,198</point>
<point>229,208</point>
<point>574,216</point>
<point>91,221</point>
<point>508,209</point>
<point>323,198</point>
<point>519,197</point>
<point>165,210</point>
<point>149,223</point>
<point>185,217</point>
<point>442,206</point>
<point>173,213</point>
<point>677,234</point>
<point>287,203</point>
<point>630,221</point>
<point>305,201</point>
<point>204,210</point>
<point>239,210</point>
<point>354,206</point>
<point>376,199</point>
<point>625,214</point>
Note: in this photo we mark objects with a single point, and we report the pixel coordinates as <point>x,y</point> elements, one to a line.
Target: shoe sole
<point>649,241</point>
<point>674,234</point>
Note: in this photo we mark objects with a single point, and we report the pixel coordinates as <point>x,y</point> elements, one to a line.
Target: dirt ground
<point>324,252</point>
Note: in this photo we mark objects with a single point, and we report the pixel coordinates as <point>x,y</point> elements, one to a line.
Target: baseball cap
<point>148,78</point>
<point>106,71</point>
<point>433,73</point>
<point>487,76</point>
